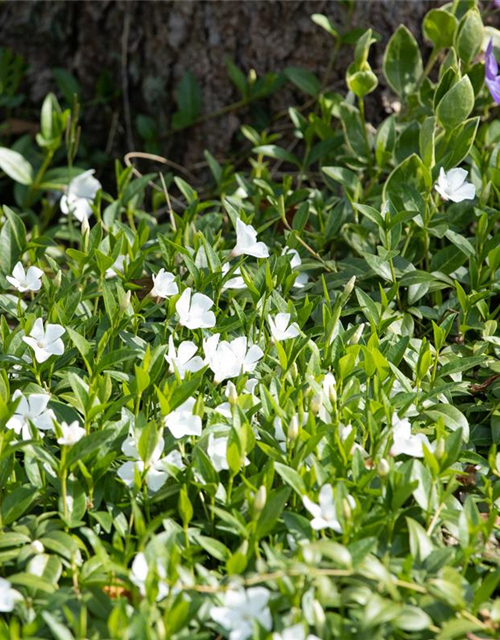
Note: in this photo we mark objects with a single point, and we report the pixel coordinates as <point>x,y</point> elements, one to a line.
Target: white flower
<point>164,284</point>
<point>156,467</point>
<point>71,433</point>
<point>241,607</point>
<point>194,311</point>
<point>233,283</point>
<point>296,632</point>
<point>325,514</point>
<point>118,266</point>
<point>217,452</point>
<point>229,359</point>
<point>183,359</point>
<point>32,408</point>
<point>182,421</point>
<point>451,185</point>
<point>139,574</point>
<point>246,242</point>
<point>80,194</point>
<point>45,342</point>
<point>25,280</point>
<point>404,441</point>
<point>281,328</point>
<point>8,596</point>
<point>37,547</point>
<point>324,398</point>
<point>302,279</point>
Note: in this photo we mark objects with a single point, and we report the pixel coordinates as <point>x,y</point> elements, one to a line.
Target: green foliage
<point>337,449</point>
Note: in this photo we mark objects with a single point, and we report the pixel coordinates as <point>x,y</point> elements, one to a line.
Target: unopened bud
<point>315,404</point>
<point>346,509</point>
<point>37,547</point>
<point>85,225</point>
<point>330,387</point>
<point>252,76</point>
<point>231,393</point>
<point>357,334</point>
<point>349,287</point>
<point>293,428</point>
<point>57,280</point>
<point>260,499</point>
<point>294,370</point>
<point>125,301</point>
<point>439,450</point>
<point>383,468</point>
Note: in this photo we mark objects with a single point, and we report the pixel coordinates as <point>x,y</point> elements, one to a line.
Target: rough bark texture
<point>147,46</point>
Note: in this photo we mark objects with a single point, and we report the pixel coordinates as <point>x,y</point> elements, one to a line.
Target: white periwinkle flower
<point>8,596</point>
<point>302,279</point>
<point>71,433</point>
<point>229,359</point>
<point>451,185</point>
<point>25,280</point>
<point>32,408</point>
<point>182,421</point>
<point>246,242</point>
<point>118,266</point>
<point>164,284</point>
<point>241,607</point>
<point>405,442</point>
<point>80,194</point>
<point>194,310</point>
<point>45,342</point>
<point>139,574</point>
<point>155,468</point>
<point>183,358</point>
<point>325,513</point>
<point>282,328</point>
<point>236,282</point>
<point>297,632</point>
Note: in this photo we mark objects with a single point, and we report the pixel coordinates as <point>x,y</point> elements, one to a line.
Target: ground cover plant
<point>268,408</point>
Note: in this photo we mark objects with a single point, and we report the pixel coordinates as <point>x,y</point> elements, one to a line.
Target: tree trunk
<point>135,53</point>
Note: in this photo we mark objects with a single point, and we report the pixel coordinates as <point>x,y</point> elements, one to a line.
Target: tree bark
<point>138,52</point>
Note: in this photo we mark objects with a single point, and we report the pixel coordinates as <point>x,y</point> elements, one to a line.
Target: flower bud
<point>231,393</point>
<point>37,547</point>
<point>260,499</point>
<point>293,428</point>
<point>125,301</point>
<point>346,509</point>
<point>349,287</point>
<point>315,404</point>
<point>439,450</point>
<point>85,225</point>
<point>57,280</point>
<point>383,468</point>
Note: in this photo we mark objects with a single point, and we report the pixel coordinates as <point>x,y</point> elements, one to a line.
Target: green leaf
<point>325,23</point>
<point>188,101</point>
<point>453,418</point>
<point>426,142</point>
<point>15,166</point>
<point>439,27</point>
<point>456,104</point>
<point>16,503</point>
<point>291,477</point>
<point>304,80</point>
<point>273,151</point>
<point>469,36</point>
<point>272,511</point>
<point>402,62</point>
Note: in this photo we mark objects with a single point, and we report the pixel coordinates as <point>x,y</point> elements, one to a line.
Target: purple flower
<point>496,4</point>
<point>492,78</point>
